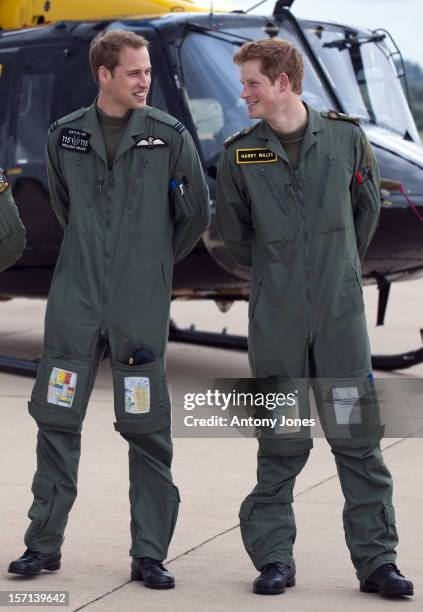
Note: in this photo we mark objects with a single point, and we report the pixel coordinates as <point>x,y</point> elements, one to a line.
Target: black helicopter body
<point>45,75</point>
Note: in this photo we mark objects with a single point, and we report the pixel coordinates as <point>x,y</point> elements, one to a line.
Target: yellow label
<point>255,156</point>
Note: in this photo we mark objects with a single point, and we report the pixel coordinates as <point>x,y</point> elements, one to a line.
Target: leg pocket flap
<point>142,403</point>
<point>246,510</point>
<point>42,488</point>
<point>389,513</point>
<point>59,396</point>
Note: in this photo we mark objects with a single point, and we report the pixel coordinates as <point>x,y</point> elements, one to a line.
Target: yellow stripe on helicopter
<point>15,14</point>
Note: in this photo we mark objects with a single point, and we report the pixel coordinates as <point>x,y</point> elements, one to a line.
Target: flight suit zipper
<point>107,246</point>
<point>307,254</point>
<point>325,179</point>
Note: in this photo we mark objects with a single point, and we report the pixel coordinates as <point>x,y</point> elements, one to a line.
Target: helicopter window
<point>362,75</point>
<point>5,86</point>
<point>156,95</point>
<point>33,116</point>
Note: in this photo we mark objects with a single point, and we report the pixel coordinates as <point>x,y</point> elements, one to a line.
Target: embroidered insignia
<point>61,387</point>
<point>255,156</point>
<point>151,142</point>
<point>137,394</point>
<point>75,140</point>
<point>3,181</point>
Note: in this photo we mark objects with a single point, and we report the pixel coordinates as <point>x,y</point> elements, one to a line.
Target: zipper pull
<point>100,186</point>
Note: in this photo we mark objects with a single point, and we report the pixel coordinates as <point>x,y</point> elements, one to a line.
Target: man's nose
<point>144,81</point>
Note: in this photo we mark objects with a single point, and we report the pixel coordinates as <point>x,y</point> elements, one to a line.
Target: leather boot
<point>152,572</point>
<point>274,578</point>
<point>387,580</point>
<point>32,562</point>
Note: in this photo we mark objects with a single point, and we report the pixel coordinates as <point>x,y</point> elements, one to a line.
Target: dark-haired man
<point>127,186</point>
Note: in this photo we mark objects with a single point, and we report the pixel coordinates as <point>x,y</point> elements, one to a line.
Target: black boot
<point>387,580</point>
<point>274,578</point>
<point>152,572</point>
<point>32,562</point>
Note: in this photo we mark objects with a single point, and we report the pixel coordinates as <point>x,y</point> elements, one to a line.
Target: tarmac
<point>212,570</point>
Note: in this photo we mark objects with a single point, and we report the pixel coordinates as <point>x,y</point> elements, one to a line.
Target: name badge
<point>255,156</point>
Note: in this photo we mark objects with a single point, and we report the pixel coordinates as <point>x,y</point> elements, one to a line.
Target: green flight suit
<point>124,229</point>
<point>12,232</point>
<point>304,233</point>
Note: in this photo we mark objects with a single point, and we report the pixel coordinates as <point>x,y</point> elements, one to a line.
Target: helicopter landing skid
<point>216,339</point>
<point>400,361</point>
<point>16,365</point>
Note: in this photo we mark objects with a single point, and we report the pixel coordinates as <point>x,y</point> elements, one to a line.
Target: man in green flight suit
<point>12,232</point>
<point>127,186</point>
<point>298,202</point>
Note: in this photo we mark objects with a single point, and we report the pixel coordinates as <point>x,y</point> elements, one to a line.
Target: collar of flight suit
<point>315,124</point>
<point>134,127</point>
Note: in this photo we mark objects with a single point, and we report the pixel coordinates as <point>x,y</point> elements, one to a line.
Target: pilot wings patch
<point>151,142</point>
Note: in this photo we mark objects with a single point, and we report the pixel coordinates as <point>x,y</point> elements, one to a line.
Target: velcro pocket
<point>4,226</point>
<point>246,510</point>
<point>42,488</point>
<point>389,513</point>
<point>183,198</point>
<point>142,403</point>
<point>60,393</point>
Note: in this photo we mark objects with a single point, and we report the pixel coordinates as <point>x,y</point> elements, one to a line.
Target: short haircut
<point>106,47</point>
<point>276,56</point>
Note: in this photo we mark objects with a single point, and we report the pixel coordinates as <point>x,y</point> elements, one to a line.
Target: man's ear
<point>283,81</point>
<point>104,74</point>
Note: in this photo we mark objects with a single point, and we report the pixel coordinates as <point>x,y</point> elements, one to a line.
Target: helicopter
<point>44,75</point>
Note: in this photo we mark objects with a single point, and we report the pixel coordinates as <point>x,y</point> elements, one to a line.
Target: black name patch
<point>75,140</point>
<point>255,156</point>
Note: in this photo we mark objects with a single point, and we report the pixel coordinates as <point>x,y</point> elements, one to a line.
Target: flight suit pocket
<point>42,490</point>
<point>255,293</point>
<point>249,529</point>
<point>351,295</point>
<point>83,192</point>
<point>142,403</point>
<point>274,211</point>
<point>60,393</point>
<point>357,278</point>
<point>389,514</point>
<point>184,204</point>
<point>4,227</point>
<point>174,501</point>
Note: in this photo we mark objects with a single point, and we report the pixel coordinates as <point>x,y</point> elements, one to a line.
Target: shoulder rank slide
<point>53,126</point>
<point>240,134</point>
<point>255,156</point>
<point>67,119</point>
<point>340,117</point>
<point>179,127</point>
